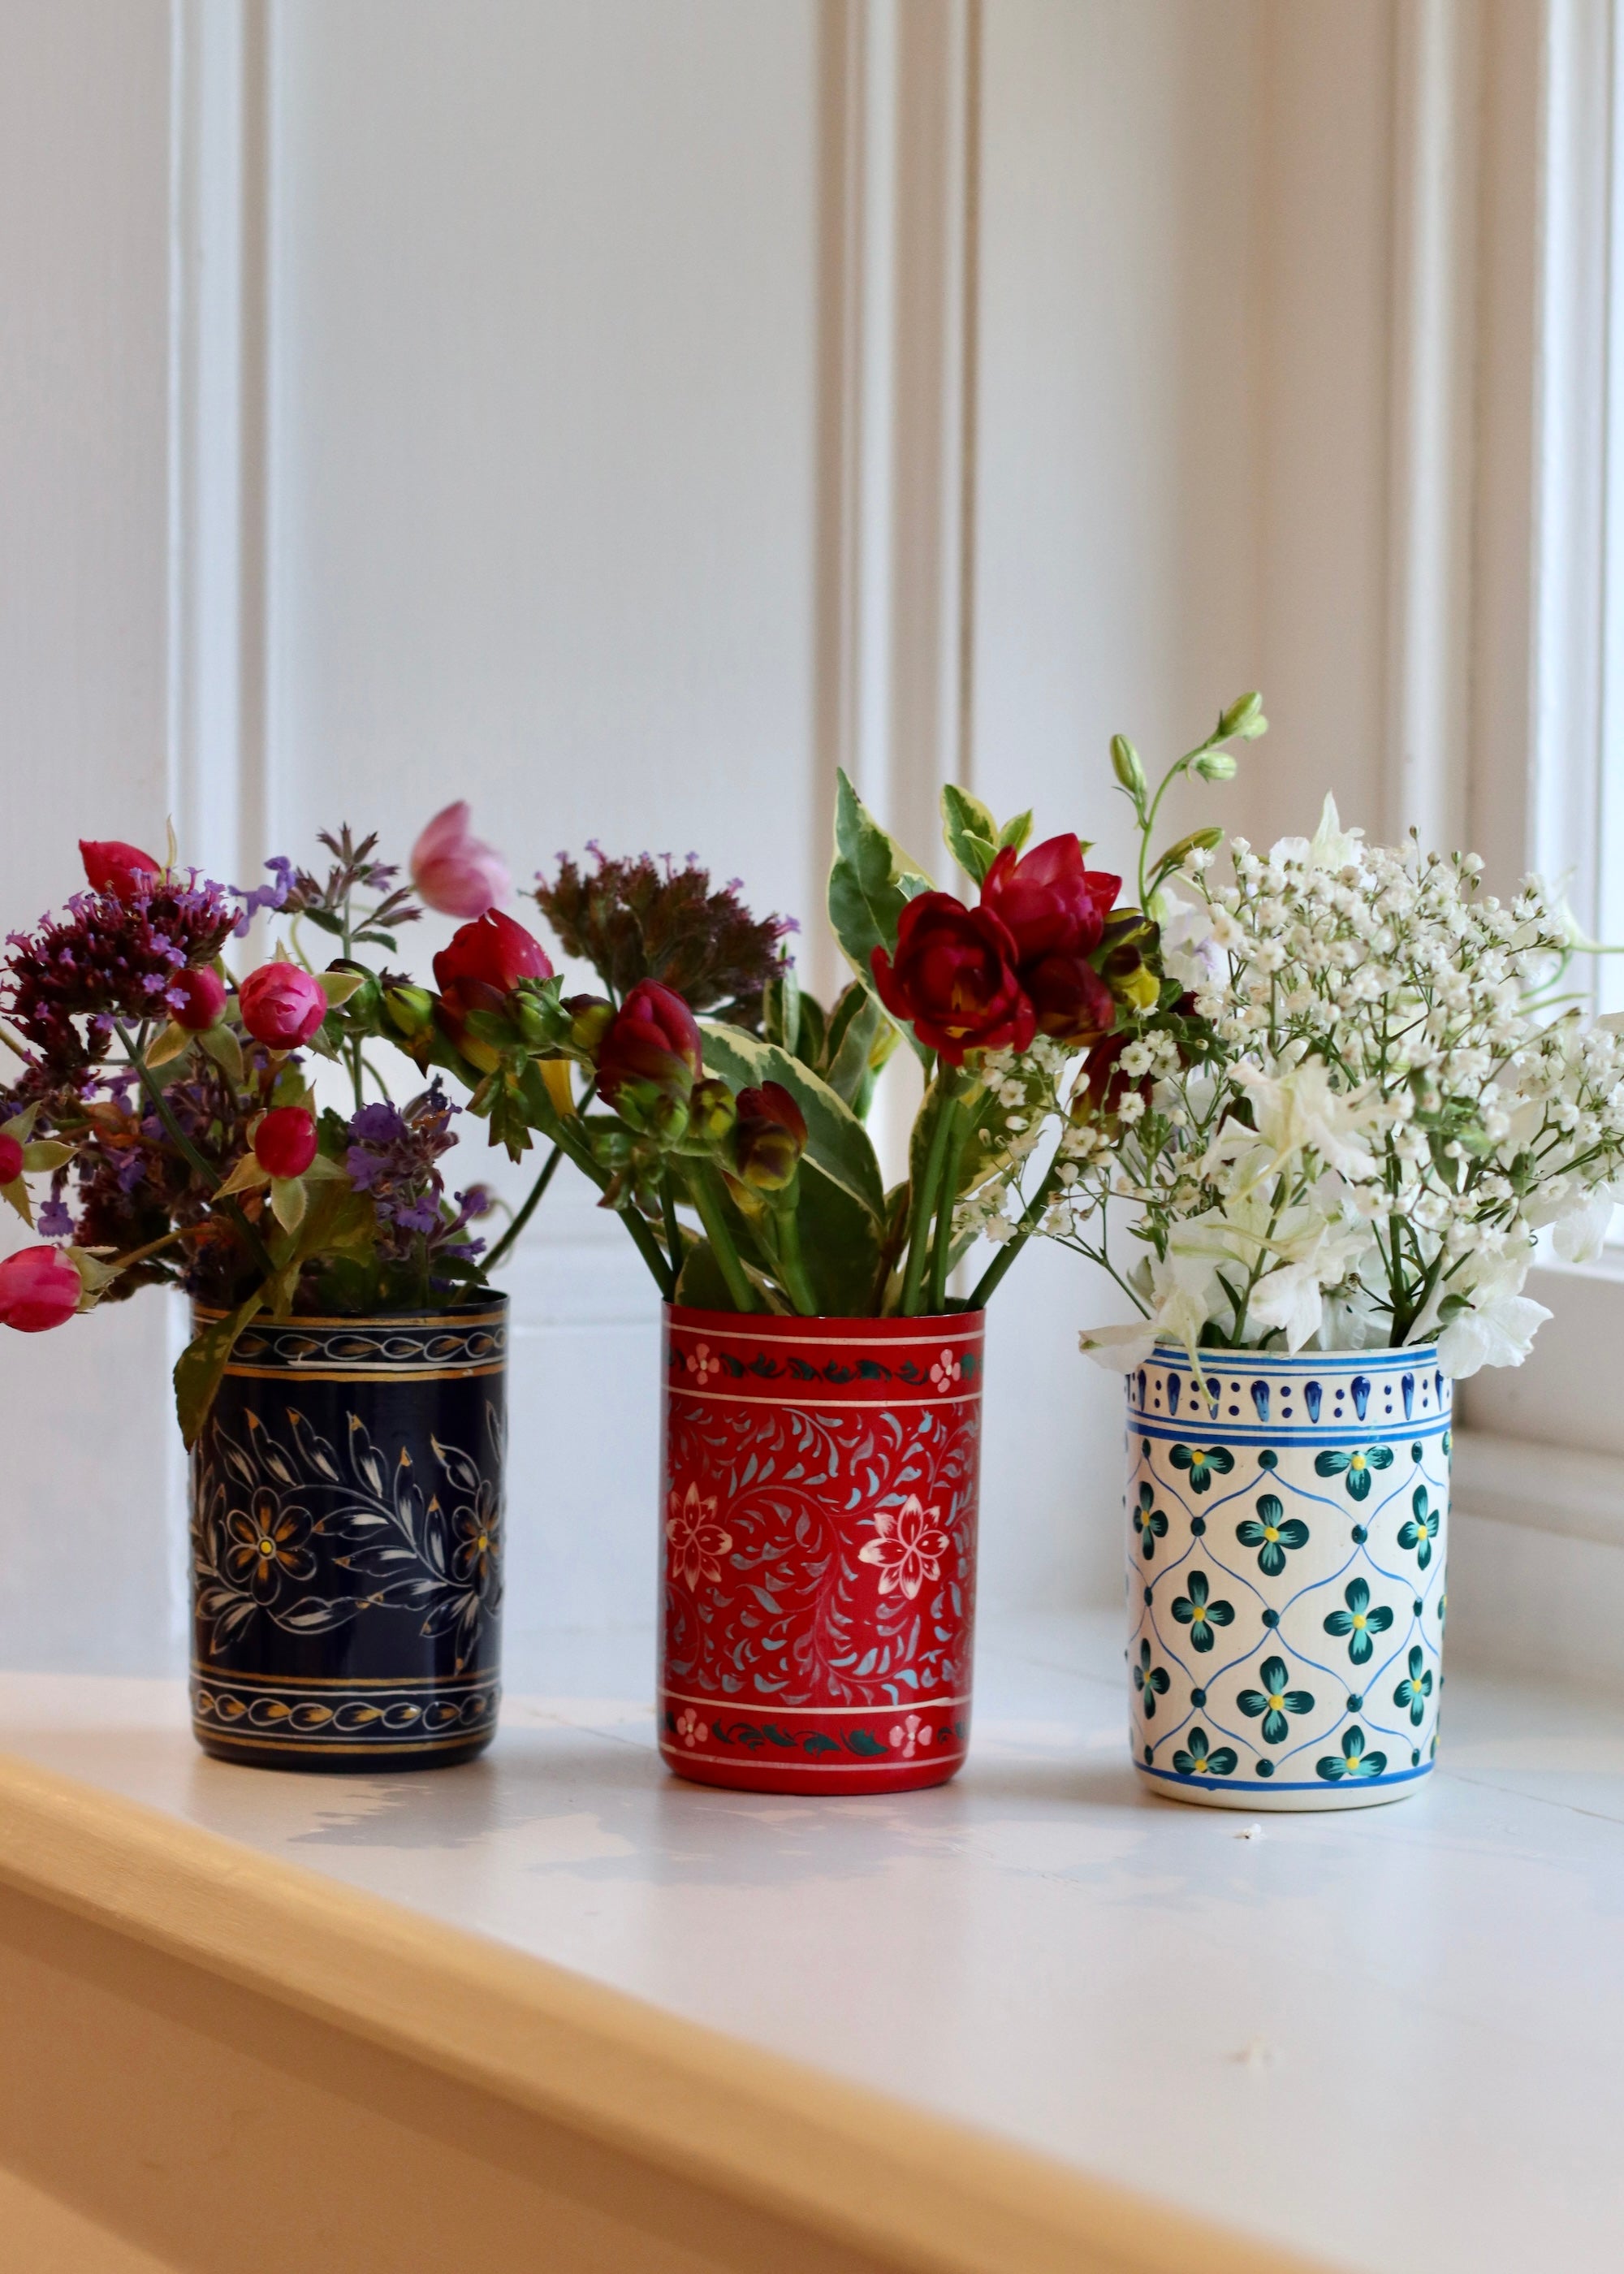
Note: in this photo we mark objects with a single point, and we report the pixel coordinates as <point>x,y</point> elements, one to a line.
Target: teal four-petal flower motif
<point>1414,1691</point>
<point>1275,1702</point>
<point>1150,1680</point>
<point>1420,1530</point>
<point>1360,1622</point>
<point>1356,1466</point>
<point>1271,1533</point>
<point>1216,1461</point>
<point>1198,1757</point>
<point>1200,1615</point>
<point>1352,1761</point>
<point>1149,1522</point>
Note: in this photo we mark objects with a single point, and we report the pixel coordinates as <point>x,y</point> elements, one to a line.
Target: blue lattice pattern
<point>1287,1524</point>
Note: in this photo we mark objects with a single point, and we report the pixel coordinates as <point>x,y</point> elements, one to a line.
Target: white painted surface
<point>1389,2038</point>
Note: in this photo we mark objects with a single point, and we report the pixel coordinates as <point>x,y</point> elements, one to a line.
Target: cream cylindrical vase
<point>1288,1524</point>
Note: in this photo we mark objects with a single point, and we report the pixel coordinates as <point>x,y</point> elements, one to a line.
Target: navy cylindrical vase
<point>347,1498</point>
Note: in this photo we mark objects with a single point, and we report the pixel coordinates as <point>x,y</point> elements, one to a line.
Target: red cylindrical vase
<point>818,1536</point>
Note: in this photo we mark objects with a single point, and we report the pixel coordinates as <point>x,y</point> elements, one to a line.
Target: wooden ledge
<point>881,2184</point>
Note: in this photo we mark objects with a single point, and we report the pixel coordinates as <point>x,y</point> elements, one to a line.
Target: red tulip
<point>475,970</point>
<point>954,979</point>
<point>121,869</point>
<point>1072,1003</point>
<point>205,993</point>
<point>453,871</point>
<point>1048,899</point>
<point>651,1056</point>
<point>282,1006</point>
<point>285,1142</point>
<point>769,1138</point>
<point>39,1288</point>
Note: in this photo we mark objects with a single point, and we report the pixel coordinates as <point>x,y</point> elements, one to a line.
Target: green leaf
<point>781,1008</point>
<point>323,919</point>
<point>201,1364</point>
<point>173,1042</point>
<point>870,884</point>
<point>46,1153</point>
<point>837,1145</point>
<point>700,1286</point>
<point>16,1195</point>
<point>839,1248</point>
<point>856,1025</point>
<point>970,832</point>
<point>338,985</point>
<point>222,1044</point>
<point>1015,833</point>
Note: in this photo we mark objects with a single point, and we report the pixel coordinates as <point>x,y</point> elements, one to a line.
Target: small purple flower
<point>54,1220</point>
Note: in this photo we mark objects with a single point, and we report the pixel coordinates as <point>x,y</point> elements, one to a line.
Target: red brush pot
<point>817,1523</point>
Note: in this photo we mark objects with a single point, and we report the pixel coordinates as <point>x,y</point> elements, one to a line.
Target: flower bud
<point>712,1110</point>
<point>285,1142</point>
<point>411,1010</point>
<point>452,870</point>
<point>120,871</point>
<point>769,1138</point>
<point>591,1018</point>
<point>1217,765</point>
<point>1239,718</point>
<point>205,999</point>
<point>650,1056</point>
<point>11,1158</point>
<point>39,1289</point>
<point>1126,766</point>
<point>282,1006</point>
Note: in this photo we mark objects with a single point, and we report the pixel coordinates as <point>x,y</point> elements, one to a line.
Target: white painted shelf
<point>1387,2041</point>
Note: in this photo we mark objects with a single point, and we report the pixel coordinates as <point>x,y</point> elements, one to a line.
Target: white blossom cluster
<point>1394,1102</point>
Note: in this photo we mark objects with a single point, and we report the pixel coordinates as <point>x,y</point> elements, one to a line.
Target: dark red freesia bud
<point>121,869</point>
<point>205,994</point>
<point>1048,899</point>
<point>285,1142</point>
<point>651,1056</point>
<point>474,972</point>
<point>11,1158</point>
<point>39,1289</point>
<point>1072,1003</point>
<point>769,1138</point>
<point>282,1006</point>
<point>954,979</point>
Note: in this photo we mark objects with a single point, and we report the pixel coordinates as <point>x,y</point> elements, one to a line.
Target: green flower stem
<point>653,1254</point>
<point>983,1293</point>
<point>673,1230</point>
<point>210,1175</point>
<point>921,1200</point>
<point>792,1270</point>
<point>532,1203</point>
<point>705,1182</point>
<point>959,1119</point>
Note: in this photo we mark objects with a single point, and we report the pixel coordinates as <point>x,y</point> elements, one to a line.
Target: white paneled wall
<point>616,411</point>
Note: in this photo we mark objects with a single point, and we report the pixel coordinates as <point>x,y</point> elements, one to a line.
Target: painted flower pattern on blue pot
<point>1360,1621</point>
<point>1215,1461</point>
<point>1352,1761</point>
<point>1198,1757</point>
<point>1196,1611</point>
<point>1271,1532</point>
<point>1150,1680</point>
<point>1356,1468</point>
<point>1275,1702</point>
<point>1420,1530</point>
<point>1149,1522</point>
<point>1416,1687</point>
<point>267,1543</point>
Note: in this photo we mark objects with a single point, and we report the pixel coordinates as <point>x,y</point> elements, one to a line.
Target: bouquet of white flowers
<point>1368,1099</point>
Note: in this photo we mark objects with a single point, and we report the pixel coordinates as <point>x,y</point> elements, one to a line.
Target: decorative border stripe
<point>822,1712</point>
<point>809,1394</point>
<point>404,1685</point>
<point>1292,1434</point>
<point>270,1743</point>
<point>404,1370</point>
<point>831,1342</point>
<point>1280,1784</point>
<point>838,1765</point>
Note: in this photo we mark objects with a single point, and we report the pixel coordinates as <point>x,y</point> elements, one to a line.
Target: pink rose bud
<point>205,993</point>
<point>39,1288</point>
<point>282,1006</point>
<point>10,1159</point>
<point>121,869</point>
<point>285,1142</point>
<point>452,870</point>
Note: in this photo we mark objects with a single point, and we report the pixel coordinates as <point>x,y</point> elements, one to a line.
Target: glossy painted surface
<point>1286,1544</point>
<point>347,1498</point>
<point>819,1487</point>
<point>1389,2039</point>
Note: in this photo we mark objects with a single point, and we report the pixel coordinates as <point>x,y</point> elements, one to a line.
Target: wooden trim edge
<point>865,2171</point>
